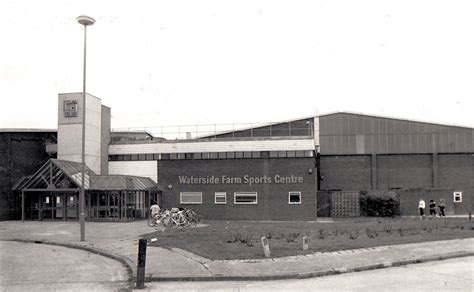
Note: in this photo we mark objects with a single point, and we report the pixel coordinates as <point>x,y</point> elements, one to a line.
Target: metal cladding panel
<point>346,133</point>
<point>214,146</point>
<point>135,168</point>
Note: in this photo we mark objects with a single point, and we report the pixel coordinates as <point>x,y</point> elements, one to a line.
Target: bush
<point>379,206</point>
<point>292,236</point>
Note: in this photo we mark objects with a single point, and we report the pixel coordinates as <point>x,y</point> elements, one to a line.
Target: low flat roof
<point>27,130</point>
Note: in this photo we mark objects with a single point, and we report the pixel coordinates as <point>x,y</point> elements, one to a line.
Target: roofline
<point>394,118</point>
<point>80,92</point>
<point>27,130</point>
<point>257,125</point>
<point>132,132</point>
<point>121,175</point>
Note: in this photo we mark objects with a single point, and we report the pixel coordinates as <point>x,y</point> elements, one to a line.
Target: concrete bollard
<point>141,263</point>
<point>265,246</point>
<point>305,242</point>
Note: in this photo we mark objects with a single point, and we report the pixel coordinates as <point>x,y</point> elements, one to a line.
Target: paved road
<point>41,267</point>
<point>448,275</point>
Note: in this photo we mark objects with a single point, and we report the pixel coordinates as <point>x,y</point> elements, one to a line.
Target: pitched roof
<point>54,170</point>
<point>121,182</point>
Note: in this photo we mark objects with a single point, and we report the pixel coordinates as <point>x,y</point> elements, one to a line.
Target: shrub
<point>354,234</point>
<point>379,206</point>
<point>400,231</point>
<point>371,233</point>
<point>387,228</point>
<point>292,236</point>
<point>321,234</point>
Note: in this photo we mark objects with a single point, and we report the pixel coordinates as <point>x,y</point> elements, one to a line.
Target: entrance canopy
<point>62,174</point>
<point>53,192</point>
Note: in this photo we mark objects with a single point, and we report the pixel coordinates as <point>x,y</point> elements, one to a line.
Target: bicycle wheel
<point>167,222</point>
<point>179,220</point>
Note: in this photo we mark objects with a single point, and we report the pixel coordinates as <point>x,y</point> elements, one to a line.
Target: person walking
<point>432,206</point>
<point>155,209</point>
<point>421,208</point>
<point>441,206</point>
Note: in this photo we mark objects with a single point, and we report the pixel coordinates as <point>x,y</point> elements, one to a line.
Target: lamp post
<point>85,21</point>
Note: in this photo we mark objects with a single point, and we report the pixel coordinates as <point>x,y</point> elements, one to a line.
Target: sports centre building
<point>291,170</point>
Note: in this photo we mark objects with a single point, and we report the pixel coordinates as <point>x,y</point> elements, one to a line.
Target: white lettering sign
<point>246,179</point>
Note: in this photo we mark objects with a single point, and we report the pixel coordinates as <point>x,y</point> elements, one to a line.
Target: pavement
<point>119,241</point>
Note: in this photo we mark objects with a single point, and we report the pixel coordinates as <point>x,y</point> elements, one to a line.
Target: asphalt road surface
<point>448,275</point>
<point>41,267</point>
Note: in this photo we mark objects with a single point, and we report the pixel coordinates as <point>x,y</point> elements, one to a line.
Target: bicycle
<point>193,218</point>
<point>179,219</point>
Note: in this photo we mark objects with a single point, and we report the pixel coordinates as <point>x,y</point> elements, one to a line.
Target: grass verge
<point>219,240</point>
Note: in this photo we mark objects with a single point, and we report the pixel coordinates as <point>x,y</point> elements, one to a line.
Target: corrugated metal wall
<point>346,133</point>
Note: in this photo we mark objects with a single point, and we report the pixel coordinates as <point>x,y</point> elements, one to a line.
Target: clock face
<point>70,108</point>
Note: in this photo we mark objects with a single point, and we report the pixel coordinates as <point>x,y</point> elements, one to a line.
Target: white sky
<point>192,62</point>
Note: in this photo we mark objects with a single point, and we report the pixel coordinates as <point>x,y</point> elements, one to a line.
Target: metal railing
<point>215,131</point>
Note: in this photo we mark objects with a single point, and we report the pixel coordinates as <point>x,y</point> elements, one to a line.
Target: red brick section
<point>272,196</point>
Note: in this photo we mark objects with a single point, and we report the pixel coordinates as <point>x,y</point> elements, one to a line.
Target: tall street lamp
<point>85,21</point>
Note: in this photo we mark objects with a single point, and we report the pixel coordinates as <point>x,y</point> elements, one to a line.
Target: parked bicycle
<point>175,217</point>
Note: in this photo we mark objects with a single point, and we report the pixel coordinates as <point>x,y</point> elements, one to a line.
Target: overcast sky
<point>158,63</point>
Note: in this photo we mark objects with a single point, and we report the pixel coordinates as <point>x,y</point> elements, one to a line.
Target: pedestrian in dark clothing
<point>442,205</point>
<point>432,206</point>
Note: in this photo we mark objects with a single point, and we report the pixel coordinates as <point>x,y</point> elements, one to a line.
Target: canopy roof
<point>63,174</point>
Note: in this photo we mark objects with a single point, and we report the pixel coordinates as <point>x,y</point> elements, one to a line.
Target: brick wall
<point>409,201</point>
<point>21,154</point>
<point>272,197</point>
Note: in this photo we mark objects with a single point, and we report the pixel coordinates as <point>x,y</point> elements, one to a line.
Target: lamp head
<point>85,20</point>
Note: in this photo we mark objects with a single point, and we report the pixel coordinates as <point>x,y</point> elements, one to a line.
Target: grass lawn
<point>218,240</point>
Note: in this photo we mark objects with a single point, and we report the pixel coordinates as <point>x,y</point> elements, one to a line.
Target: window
<point>245,198</point>
<point>134,157</point>
<point>247,154</point>
<point>256,154</point>
<point>213,155</point>
<point>149,157</point>
<point>221,155</point>
<point>300,154</point>
<point>156,156</point>
<point>141,156</point>
<point>190,198</point>
<point>220,198</point>
<point>457,197</point>
<point>294,198</point>
<point>230,154</point>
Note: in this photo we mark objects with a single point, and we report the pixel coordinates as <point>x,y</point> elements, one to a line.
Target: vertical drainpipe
<point>317,160</point>
<point>22,206</point>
